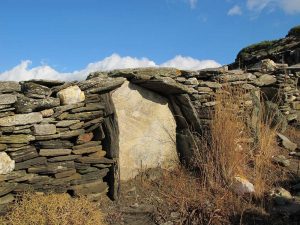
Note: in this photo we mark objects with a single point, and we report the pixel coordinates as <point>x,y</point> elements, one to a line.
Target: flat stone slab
<point>6,188</point>
<point>21,119</point>
<point>44,129</point>
<point>87,150</point>
<point>67,123</point>
<point>7,99</point>
<point>16,139</point>
<point>9,86</point>
<point>54,152</point>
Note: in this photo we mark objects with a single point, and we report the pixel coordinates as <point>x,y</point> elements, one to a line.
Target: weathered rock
<point>87,150</point>
<point>286,143</point>
<point>89,107</point>
<point>88,144</point>
<point>73,133</point>
<point>47,112</point>
<point>6,199</point>
<point>265,80</point>
<point>54,152</point>
<point>21,119</point>
<point>63,158</point>
<point>84,115</point>
<point>90,188</point>
<point>280,196</point>
<point>15,139</point>
<point>54,144</point>
<point>27,105</point>
<point>84,138</point>
<point>242,186</point>
<point>67,123</point>
<point>30,89</point>
<point>6,164</point>
<point>47,83</point>
<point>281,160</point>
<point>71,95</point>
<point>47,137</point>
<point>44,129</point>
<point>67,173</point>
<point>7,99</point>
<point>3,147</point>
<point>77,126</point>
<point>9,86</point>
<point>31,162</point>
<point>25,154</point>
<point>101,84</point>
<point>94,160</point>
<point>152,141</point>
<point>6,188</point>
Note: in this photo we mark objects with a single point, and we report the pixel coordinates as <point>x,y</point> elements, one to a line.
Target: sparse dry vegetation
<point>53,209</point>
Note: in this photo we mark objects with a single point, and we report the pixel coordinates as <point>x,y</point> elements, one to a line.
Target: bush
<point>53,209</point>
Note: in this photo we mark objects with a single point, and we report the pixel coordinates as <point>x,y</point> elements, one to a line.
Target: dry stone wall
<point>64,137</point>
<point>54,139</point>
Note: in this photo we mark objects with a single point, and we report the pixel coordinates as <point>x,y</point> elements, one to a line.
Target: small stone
<point>54,144</point>
<point>84,138</point>
<point>281,196</point>
<point>90,188</point>
<point>286,143</point>
<point>87,150</point>
<point>7,99</point>
<point>71,95</point>
<point>44,129</point>
<point>73,133</point>
<point>6,164</point>
<point>191,81</point>
<point>6,188</point>
<point>63,158</point>
<point>3,147</point>
<point>281,160</point>
<point>265,80</point>
<point>31,162</point>
<point>67,123</point>
<point>21,119</point>
<point>47,112</point>
<point>88,144</point>
<point>16,139</point>
<point>242,186</point>
<point>6,199</point>
<point>67,173</point>
<point>54,152</point>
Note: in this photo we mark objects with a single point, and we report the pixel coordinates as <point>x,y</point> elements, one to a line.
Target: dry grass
<point>53,209</point>
<point>234,148</point>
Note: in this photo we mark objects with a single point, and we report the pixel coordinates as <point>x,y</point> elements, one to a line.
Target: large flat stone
<point>21,119</point>
<point>25,154</point>
<point>27,105</point>
<point>31,162</point>
<point>147,130</point>
<point>54,144</point>
<point>6,188</point>
<point>87,150</point>
<point>90,188</point>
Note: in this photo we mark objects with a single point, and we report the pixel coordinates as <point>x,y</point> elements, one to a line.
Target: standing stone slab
<point>21,119</point>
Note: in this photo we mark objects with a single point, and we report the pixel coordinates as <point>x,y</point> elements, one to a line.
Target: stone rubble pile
<point>51,139</point>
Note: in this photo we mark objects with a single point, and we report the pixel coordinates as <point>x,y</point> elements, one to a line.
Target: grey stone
<point>67,173</point>
<point>6,199</point>
<point>77,126</point>
<point>30,88</point>
<point>7,165</point>
<point>94,160</point>
<point>89,107</point>
<point>95,187</point>
<point>84,115</point>
<point>3,147</point>
<point>25,154</point>
<point>63,158</point>
<point>6,188</point>
<point>88,144</point>
<point>67,123</point>
<point>31,162</point>
<point>44,129</point>
<point>87,150</point>
<point>7,99</point>
<point>101,84</point>
<point>9,86</point>
<point>265,80</point>
<point>15,139</point>
<point>21,119</point>
<point>73,133</point>
<point>27,105</point>
<point>286,143</point>
<point>47,137</point>
<point>281,160</point>
<point>54,144</point>
<point>54,152</point>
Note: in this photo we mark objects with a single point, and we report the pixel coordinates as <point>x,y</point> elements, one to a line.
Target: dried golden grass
<point>53,209</point>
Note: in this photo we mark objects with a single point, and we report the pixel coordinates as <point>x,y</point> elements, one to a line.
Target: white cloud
<point>23,72</point>
<point>189,63</point>
<point>235,11</point>
<point>288,6</point>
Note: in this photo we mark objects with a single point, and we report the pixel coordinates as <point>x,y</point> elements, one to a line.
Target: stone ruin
<point>84,137</point>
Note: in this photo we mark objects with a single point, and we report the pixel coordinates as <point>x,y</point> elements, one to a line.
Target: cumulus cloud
<point>24,72</point>
<point>235,11</point>
<point>189,63</point>
<point>288,6</point>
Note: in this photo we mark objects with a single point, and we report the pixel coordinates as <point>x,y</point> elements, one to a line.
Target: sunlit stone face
<point>147,130</point>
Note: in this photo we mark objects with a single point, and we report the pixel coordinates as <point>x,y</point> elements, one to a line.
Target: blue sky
<point>64,36</point>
